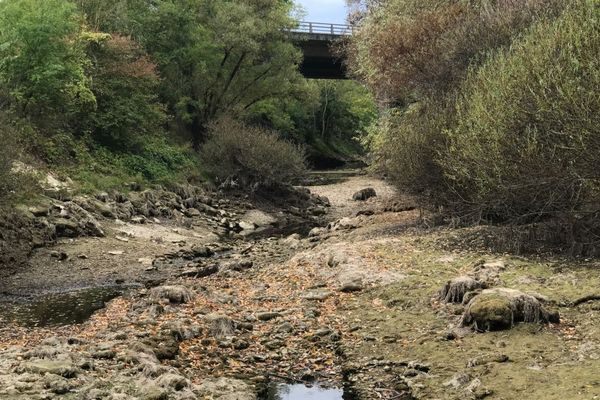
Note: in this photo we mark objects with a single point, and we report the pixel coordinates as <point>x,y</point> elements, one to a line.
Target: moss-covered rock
<point>502,308</point>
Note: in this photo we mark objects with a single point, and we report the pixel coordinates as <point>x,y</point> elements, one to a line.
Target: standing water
<point>303,392</point>
<point>54,309</point>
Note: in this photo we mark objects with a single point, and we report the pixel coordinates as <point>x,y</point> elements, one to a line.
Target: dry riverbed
<point>352,306</point>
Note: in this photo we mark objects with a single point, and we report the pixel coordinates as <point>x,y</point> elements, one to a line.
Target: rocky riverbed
<point>256,299</point>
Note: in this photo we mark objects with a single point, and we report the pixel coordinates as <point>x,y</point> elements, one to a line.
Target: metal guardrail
<point>323,28</point>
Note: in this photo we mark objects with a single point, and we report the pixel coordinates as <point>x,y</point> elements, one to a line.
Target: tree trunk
<point>198,131</point>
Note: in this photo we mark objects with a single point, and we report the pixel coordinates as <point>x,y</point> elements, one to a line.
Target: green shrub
<point>252,155</point>
<point>527,142</point>
<point>405,146</point>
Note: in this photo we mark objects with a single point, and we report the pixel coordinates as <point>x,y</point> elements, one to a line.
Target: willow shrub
<point>250,155</point>
<point>527,141</point>
<point>405,144</point>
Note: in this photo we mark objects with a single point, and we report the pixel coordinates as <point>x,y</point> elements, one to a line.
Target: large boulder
<point>502,308</point>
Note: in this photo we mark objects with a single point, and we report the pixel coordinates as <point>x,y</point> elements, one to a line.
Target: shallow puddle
<point>301,392</point>
<point>57,309</point>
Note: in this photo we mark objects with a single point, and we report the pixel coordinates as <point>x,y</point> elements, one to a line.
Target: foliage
<point>408,49</point>
<point>527,142</point>
<point>250,155</point>
<point>124,83</point>
<point>6,156</point>
<point>405,144</point>
<point>330,117</point>
<point>217,57</point>
<point>416,56</point>
<point>42,62</point>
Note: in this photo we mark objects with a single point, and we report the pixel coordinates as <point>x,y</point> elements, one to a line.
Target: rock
<point>267,316</point>
<point>458,380</point>
<point>501,308</point>
<point>202,251</point>
<point>174,381</point>
<point>59,255</point>
<point>257,218</point>
<point>317,231</point>
<point>226,389</point>
<point>39,210</point>
<point>316,294</point>
<point>103,197</point>
<point>65,227</point>
<point>237,266</point>
<point>88,225</point>
<point>455,289</point>
<point>175,293</point>
<point>364,194</point>
<point>66,369</point>
<point>152,392</point>
<point>201,271</point>
<point>164,346</point>
<point>205,208</point>
<point>351,284</point>
<point>192,212</point>
<point>102,208</point>
<point>56,384</point>
<point>246,226</point>
<point>346,223</point>
<point>220,326</point>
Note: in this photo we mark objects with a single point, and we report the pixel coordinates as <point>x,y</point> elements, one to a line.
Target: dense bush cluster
<point>250,155</point>
<point>491,105</point>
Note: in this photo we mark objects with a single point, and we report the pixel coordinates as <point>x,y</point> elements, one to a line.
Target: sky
<point>331,11</point>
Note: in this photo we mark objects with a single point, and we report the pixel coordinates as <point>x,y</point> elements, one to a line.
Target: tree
<point>125,83</point>
<point>216,57</point>
<point>42,62</point>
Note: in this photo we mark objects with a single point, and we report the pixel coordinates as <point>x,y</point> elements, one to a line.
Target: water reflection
<point>59,308</point>
<point>303,392</point>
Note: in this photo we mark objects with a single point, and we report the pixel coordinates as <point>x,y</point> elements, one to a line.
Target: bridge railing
<point>322,28</point>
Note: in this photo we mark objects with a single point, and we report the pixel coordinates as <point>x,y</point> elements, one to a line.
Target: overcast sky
<point>332,11</point>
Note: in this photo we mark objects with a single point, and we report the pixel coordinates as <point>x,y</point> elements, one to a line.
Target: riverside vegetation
<point>162,235</point>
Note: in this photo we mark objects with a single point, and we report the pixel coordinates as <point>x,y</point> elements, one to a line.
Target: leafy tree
<point>215,57</point>
<point>125,83</point>
<point>42,62</point>
<point>326,113</point>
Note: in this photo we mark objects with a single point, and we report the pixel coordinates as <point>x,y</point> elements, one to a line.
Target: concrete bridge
<point>315,40</point>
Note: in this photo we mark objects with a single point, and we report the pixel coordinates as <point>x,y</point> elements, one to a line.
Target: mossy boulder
<point>502,308</point>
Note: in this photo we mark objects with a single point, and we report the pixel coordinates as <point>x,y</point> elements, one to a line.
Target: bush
<point>406,143</point>
<point>252,155</point>
<point>408,49</point>
<point>527,142</point>
<point>416,56</point>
